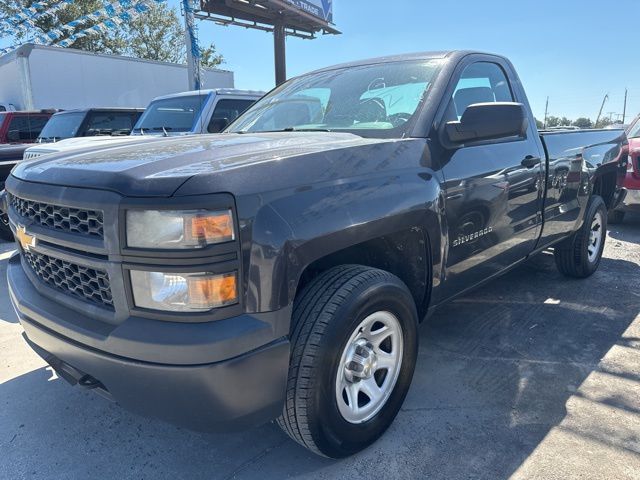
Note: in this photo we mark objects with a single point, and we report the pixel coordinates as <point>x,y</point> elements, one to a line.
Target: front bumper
<point>208,376</point>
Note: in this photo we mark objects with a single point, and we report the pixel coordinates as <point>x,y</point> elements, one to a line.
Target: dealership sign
<point>318,8</point>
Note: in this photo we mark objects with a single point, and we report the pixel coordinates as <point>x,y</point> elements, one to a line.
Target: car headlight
<point>169,229</point>
<point>183,292</point>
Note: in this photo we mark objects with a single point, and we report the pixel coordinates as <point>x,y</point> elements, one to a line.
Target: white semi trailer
<point>35,77</point>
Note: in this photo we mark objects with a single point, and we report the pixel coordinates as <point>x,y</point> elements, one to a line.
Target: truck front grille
<point>72,220</point>
<point>31,155</point>
<point>84,282</point>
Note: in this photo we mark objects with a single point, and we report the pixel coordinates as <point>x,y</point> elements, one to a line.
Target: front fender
<point>294,231</point>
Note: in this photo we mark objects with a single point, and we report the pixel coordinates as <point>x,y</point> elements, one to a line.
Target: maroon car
<point>631,183</point>
<point>22,127</point>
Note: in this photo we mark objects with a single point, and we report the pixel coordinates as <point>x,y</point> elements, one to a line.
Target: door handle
<point>530,161</point>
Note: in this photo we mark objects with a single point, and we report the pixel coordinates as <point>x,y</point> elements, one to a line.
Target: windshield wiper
<point>287,129</point>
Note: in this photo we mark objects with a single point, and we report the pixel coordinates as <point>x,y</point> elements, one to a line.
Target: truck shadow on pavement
<point>495,374</point>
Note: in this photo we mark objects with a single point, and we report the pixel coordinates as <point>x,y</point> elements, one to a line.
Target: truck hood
<point>160,167</point>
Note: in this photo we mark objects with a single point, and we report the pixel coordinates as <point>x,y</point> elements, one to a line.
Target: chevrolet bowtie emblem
<point>26,241</point>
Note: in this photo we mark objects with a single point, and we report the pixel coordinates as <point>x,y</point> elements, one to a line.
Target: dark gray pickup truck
<point>280,270</point>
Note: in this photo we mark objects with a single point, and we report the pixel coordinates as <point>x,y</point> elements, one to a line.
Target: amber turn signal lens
<point>208,291</point>
<point>215,228</point>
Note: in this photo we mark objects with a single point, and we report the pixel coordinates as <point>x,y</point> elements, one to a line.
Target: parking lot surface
<point>531,376</point>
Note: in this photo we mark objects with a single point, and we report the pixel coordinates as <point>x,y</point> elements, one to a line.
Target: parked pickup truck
<point>280,270</point>
<point>88,122</point>
<point>204,111</point>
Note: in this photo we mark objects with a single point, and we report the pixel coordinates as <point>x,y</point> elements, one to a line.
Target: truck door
<point>492,188</point>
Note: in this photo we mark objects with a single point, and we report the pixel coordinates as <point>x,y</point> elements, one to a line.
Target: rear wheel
<point>579,255</point>
<point>353,352</point>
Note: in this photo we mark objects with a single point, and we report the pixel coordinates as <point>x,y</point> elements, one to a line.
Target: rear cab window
<point>110,123</point>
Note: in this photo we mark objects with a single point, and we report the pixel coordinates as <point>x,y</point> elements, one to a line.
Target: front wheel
<point>579,255</point>
<point>353,351</point>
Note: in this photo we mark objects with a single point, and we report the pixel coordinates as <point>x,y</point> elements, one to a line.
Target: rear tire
<point>328,345</point>
<point>579,255</point>
<point>616,216</point>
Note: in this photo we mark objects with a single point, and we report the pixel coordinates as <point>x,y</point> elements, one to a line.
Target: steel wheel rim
<point>595,237</point>
<point>369,367</point>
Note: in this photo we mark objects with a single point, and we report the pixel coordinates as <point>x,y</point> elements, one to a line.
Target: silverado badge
<point>26,241</point>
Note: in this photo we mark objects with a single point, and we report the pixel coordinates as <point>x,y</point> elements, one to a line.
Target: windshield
<point>634,129</point>
<point>177,114</point>
<point>61,126</point>
<point>371,100</point>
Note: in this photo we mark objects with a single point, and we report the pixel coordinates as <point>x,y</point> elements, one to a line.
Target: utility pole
<point>279,52</point>
<point>191,42</point>
<point>606,97</point>
<point>624,109</point>
<point>546,110</point>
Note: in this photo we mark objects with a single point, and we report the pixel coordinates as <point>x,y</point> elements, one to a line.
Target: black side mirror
<point>489,121</point>
<point>13,135</point>
<point>217,125</point>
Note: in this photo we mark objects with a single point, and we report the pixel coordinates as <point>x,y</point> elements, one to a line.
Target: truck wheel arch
<point>406,253</point>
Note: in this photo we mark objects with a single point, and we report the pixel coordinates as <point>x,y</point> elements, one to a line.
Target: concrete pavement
<point>532,376</point>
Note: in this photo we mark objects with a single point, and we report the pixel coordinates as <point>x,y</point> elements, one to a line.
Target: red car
<point>632,179</point>
<point>22,127</point>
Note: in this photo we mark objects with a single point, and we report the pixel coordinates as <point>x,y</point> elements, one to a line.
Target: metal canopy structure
<point>299,18</point>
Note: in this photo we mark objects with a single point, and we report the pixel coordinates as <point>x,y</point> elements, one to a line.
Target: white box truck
<point>35,77</point>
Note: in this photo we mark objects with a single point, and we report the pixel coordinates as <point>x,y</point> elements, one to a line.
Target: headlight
<point>183,292</point>
<point>167,229</point>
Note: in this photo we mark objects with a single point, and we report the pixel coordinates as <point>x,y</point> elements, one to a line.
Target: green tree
<point>156,34</point>
<point>603,122</point>
<point>552,121</point>
<point>209,57</point>
<point>564,121</point>
<point>539,124</point>
<point>583,122</point>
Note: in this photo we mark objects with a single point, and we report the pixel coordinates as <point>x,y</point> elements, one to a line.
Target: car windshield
<point>634,130</point>
<point>61,126</point>
<point>177,114</point>
<point>376,100</point>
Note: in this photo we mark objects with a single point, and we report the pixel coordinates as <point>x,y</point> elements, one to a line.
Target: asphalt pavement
<point>533,376</point>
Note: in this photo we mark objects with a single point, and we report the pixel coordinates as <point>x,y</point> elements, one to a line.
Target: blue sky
<point>573,51</point>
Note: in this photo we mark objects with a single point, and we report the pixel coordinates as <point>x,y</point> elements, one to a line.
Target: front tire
<point>580,255</point>
<point>353,351</point>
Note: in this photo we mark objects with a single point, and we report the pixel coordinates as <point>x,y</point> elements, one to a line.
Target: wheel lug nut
<point>355,366</point>
<point>363,352</point>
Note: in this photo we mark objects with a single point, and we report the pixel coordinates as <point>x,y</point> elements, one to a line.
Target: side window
<point>109,123</point>
<point>480,82</point>
<point>26,127</point>
<point>226,111</point>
